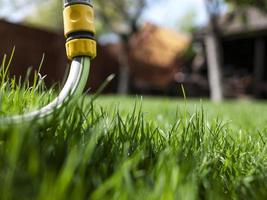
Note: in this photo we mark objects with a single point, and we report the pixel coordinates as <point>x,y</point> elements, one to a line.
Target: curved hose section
<point>74,86</point>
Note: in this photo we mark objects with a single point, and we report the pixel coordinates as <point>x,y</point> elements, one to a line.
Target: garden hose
<point>79,30</point>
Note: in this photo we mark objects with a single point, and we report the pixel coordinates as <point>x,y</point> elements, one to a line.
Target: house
<point>242,40</point>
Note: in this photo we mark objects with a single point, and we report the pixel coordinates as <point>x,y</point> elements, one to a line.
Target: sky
<point>166,13</point>
<point>6,11</point>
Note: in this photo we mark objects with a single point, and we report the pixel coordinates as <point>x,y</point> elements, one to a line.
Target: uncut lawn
<point>132,148</point>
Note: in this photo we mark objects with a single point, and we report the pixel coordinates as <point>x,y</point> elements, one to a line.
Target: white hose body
<point>74,86</point>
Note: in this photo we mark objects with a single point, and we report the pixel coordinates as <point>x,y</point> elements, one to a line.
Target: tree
<point>261,4</point>
<point>47,15</point>
<point>118,16</point>
<point>212,42</point>
<point>11,7</point>
<point>122,17</point>
<point>187,23</point>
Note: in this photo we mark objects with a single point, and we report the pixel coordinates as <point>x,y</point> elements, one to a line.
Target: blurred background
<point>214,48</point>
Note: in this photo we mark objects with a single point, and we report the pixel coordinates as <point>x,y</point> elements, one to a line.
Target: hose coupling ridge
<point>79,28</point>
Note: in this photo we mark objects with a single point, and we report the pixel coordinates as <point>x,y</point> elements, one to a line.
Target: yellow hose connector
<point>79,29</point>
<point>81,47</point>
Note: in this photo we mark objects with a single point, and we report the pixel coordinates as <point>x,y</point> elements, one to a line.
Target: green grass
<point>132,148</point>
<point>18,96</point>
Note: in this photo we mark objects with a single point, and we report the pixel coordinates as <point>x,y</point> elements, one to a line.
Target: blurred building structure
<point>156,57</point>
<point>31,44</point>
<point>243,40</point>
<point>159,59</point>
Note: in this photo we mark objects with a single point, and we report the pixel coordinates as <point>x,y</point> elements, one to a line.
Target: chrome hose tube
<point>79,30</point>
<point>74,86</point>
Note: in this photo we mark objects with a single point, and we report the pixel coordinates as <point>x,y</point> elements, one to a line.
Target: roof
<point>245,22</point>
<point>250,20</point>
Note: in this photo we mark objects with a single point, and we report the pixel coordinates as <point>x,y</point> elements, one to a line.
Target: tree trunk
<point>213,51</point>
<point>214,66</point>
<point>124,72</point>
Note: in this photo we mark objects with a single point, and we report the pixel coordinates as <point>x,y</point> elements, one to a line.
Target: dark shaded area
<point>238,66</point>
<point>243,53</point>
<point>152,71</point>
<point>31,44</point>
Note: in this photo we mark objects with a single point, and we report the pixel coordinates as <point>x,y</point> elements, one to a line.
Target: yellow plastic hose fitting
<point>81,47</point>
<point>78,17</point>
<point>79,29</point>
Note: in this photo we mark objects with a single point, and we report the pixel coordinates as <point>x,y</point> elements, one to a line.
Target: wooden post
<point>259,63</point>
<point>123,84</point>
<point>124,73</point>
<point>214,66</point>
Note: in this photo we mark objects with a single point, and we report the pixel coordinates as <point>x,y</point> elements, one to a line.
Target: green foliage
<point>120,16</point>
<point>113,148</point>
<point>261,4</point>
<point>47,15</point>
<point>11,7</point>
<point>187,23</point>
